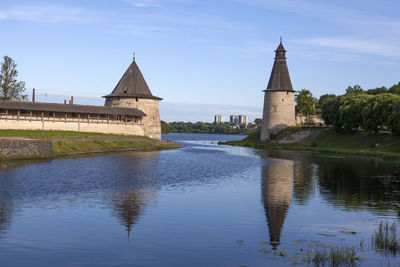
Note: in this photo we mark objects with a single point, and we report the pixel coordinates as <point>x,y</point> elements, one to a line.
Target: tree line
<point>371,110</point>
<point>205,127</point>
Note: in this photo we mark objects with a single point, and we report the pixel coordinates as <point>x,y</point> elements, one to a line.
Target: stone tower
<point>279,107</point>
<point>132,91</point>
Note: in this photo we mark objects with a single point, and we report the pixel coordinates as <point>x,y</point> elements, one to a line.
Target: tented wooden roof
<point>280,78</point>
<point>132,84</point>
<point>70,108</point>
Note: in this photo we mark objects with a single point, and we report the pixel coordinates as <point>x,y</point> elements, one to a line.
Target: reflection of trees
<point>360,183</point>
<point>6,210</point>
<point>129,204</point>
<point>349,181</point>
<point>276,190</point>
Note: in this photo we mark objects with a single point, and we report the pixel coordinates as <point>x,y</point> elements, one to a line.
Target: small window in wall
<point>137,99</point>
<point>124,91</point>
<point>282,99</point>
<point>273,108</point>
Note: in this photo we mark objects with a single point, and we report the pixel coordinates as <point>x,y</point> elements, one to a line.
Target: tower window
<point>124,91</point>
<point>273,108</point>
<point>137,99</point>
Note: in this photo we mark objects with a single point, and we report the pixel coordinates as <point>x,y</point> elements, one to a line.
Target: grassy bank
<point>65,143</point>
<point>327,140</point>
<point>74,147</point>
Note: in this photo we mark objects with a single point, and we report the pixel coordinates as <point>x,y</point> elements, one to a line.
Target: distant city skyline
<point>201,53</point>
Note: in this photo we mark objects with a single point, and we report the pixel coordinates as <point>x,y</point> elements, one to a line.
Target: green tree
<point>356,89</point>
<point>377,91</point>
<point>305,103</point>
<point>378,111</point>
<point>394,120</point>
<point>395,89</point>
<point>10,88</point>
<point>324,98</point>
<point>164,127</point>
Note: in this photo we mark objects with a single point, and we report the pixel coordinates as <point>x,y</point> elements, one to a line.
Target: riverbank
<point>327,140</point>
<point>31,144</point>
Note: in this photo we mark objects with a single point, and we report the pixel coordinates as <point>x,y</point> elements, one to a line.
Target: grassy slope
<point>65,147</point>
<point>327,140</point>
<point>73,145</point>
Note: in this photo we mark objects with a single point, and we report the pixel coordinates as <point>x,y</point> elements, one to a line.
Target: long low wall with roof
<point>124,128</point>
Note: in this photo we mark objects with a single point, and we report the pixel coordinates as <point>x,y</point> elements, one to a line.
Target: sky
<point>204,57</point>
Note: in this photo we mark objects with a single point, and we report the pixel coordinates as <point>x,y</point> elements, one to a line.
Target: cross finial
<point>134,55</point>
<point>281,39</point>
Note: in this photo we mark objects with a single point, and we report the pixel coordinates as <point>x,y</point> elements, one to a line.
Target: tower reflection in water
<point>276,189</point>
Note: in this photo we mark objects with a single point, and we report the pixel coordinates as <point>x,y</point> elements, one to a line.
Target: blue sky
<point>196,53</point>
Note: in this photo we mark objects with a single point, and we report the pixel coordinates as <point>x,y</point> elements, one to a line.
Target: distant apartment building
<point>234,119</point>
<point>218,118</point>
<point>243,119</point>
<point>239,119</point>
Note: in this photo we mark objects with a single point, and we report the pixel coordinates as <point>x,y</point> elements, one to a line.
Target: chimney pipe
<point>72,100</point>
<point>33,95</point>
<point>65,101</point>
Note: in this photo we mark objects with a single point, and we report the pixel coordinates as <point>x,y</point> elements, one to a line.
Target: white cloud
<point>370,47</point>
<point>49,14</point>
<point>144,3</point>
<point>156,3</point>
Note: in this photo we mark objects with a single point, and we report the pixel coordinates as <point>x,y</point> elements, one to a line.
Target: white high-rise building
<point>218,118</point>
<point>243,119</point>
<point>234,119</point>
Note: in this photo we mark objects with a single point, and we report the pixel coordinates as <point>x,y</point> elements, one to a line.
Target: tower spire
<point>281,39</point>
<point>134,56</point>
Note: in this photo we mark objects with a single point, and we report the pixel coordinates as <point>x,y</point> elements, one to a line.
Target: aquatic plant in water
<point>386,238</point>
<point>337,256</point>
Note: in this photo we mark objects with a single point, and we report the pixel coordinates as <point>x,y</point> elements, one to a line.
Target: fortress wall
<point>14,148</point>
<point>279,112</point>
<point>121,128</point>
<point>151,123</point>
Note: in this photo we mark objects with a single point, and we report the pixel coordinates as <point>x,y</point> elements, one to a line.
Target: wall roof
<point>70,108</point>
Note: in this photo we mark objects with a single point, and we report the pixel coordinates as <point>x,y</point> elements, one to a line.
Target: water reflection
<point>129,204</point>
<point>353,182</point>
<point>277,189</point>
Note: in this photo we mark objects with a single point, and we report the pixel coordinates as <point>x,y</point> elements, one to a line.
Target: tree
<point>305,103</point>
<point>323,99</point>
<point>356,89</point>
<point>395,89</point>
<point>10,88</point>
<point>377,91</point>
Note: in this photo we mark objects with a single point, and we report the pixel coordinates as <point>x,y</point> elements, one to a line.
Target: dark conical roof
<point>132,84</point>
<point>280,78</point>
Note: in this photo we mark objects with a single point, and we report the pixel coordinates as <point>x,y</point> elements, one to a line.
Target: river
<point>201,205</point>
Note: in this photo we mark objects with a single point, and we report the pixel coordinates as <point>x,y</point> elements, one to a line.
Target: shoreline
<point>382,145</point>
<point>30,145</point>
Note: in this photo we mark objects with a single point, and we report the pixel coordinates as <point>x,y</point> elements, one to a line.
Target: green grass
<point>65,147</point>
<point>327,140</point>
<point>386,238</point>
<point>61,134</point>
<point>337,256</point>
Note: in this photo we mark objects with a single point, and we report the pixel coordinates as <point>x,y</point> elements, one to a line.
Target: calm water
<point>202,205</point>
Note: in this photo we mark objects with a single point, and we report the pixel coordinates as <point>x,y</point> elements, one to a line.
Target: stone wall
<point>151,123</point>
<point>101,127</point>
<point>278,113</point>
<point>10,148</point>
<point>301,120</point>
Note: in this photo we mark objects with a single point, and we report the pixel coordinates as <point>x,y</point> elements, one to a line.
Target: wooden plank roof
<point>280,78</point>
<point>70,108</point>
<point>132,84</point>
